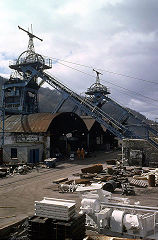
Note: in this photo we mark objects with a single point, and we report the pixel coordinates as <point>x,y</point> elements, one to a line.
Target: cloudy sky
<point>118,36</point>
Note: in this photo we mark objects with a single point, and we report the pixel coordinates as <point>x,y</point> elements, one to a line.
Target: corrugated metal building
<point>32,138</point>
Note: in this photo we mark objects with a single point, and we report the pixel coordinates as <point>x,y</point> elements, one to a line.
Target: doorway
<point>34,156</point>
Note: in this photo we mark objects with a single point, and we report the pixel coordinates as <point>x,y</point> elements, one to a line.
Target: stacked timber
<point>59,209</point>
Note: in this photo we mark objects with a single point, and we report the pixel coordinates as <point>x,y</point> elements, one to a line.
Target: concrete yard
<point>19,192</point>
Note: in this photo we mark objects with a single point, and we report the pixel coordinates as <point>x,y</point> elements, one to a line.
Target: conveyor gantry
<point>20,96</point>
<point>92,110</point>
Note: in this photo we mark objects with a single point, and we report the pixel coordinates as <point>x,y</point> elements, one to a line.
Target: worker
<point>78,153</point>
<point>82,153</point>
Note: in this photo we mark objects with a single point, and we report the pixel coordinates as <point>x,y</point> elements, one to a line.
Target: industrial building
<point>35,137</point>
<point>96,122</point>
<point>41,135</point>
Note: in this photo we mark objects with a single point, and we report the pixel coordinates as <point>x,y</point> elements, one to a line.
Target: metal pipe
<point>131,207</point>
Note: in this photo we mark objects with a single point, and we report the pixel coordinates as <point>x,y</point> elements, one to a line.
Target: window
<point>13,152</point>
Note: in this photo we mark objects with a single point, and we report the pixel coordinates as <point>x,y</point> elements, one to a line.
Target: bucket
<point>151,180</point>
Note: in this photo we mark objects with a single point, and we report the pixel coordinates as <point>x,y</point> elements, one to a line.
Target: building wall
<point>24,143</point>
<point>23,152</point>
<point>46,145</point>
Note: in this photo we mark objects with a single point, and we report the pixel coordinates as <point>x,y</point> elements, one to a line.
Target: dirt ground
<point>18,193</point>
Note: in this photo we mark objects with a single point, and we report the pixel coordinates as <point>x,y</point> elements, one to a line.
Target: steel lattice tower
<point>20,92</point>
<point>97,91</point>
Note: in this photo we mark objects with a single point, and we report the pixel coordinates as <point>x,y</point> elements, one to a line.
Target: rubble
<point>103,211</point>
<point>3,174</point>
<point>120,177</point>
<point>103,237</point>
<point>60,180</point>
<point>97,168</point>
<point>67,187</point>
<point>127,189</point>
<point>138,183</point>
<point>111,161</point>
<point>110,186</point>
<point>87,175</point>
<point>82,181</point>
<point>24,169</point>
<point>21,169</point>
<point>4,169</point>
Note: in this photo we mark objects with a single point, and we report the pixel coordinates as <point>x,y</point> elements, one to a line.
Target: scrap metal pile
<point>114,215</point>
<point>125,179</point>
<point>12,170</point>
<point>21,169</point>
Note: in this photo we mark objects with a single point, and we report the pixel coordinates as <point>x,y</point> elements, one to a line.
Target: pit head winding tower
<point>20,92</point>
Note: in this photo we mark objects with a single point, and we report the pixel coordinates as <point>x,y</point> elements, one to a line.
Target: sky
<point>117,36</point>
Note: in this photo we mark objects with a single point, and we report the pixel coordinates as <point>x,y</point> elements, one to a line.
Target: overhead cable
<point>108,71</point>
<point>137,93</point>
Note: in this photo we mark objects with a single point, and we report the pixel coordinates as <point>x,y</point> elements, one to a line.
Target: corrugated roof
<point>89,121</point>
<point>38,122</point>
<point>104,128</point>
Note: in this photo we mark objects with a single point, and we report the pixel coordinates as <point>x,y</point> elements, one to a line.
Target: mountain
<point>49,99</point>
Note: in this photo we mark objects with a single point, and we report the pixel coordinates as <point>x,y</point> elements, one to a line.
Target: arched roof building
<point>34,137</point>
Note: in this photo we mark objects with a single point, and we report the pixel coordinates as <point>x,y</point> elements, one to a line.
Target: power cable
<point>122,92</point>
<point>130,95</point>
<point>110,82</point>
<point>108,71</point>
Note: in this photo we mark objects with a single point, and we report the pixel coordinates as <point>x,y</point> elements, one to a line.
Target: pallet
<point>41,228</point>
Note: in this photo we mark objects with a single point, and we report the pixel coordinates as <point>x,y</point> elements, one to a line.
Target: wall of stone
<point>150,153</point>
